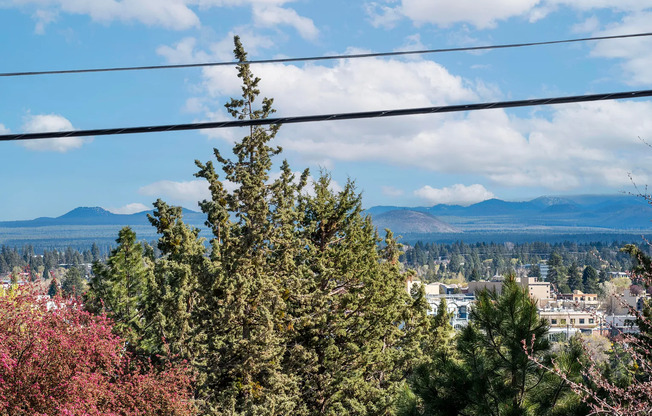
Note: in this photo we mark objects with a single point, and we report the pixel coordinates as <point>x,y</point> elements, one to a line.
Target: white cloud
<point>183,52</point>
<point>43,18</point>
<point>635,53</point>
<point>179,193</point>
<point>50,122</point>
<point>314,89</point>
<point>564,147</point>
<point>4,130</point>
<point>484,14</point>
<point>586,5</point>
<point>130,208</point>
<point>456,194</point>
<point>347,86</point>
<point>271,16</point>
<point>588,25</point>
<point>170,14</point>
<point>382,16</point>
<point>186,50</point>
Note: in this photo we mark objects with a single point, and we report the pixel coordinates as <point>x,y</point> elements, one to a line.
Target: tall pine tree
<point>295,309</point>
<point>118,287</point>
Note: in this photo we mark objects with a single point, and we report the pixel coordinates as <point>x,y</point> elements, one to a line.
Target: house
<point>579,298</point>
<point>458,305</point>
<point>565,322</point>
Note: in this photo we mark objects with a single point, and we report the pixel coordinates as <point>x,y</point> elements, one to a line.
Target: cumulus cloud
<point>129,208</point>
<point>178,193</point>
<point>457,194</point>
<point>484,14</point>
<point>635,54</point>
<point>347,86</point>
<point>50,122</point>
<point>559,148</point>
<point>271,16</point>
<point>3,129</point>
<point>187,50</point>
<point>588,25</point>
<point>170,14</point>
<point>562,148</point>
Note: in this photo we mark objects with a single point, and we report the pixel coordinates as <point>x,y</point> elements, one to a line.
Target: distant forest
<point>432,261</point>
<point>439,262</point>
<point>25,258</point>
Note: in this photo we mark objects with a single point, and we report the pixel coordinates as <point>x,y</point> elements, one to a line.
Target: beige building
<point>570,321</point>
<point>579,298</point>
<point>538,290</point>
<point>477,286</point>
<point>429,288</point>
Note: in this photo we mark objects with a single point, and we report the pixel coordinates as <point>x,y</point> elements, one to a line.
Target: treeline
<point>25,258</point>
<point>437,262</point>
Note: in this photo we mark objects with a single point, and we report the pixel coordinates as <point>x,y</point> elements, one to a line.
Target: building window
<point>591,320</point>
<point>581,320</point>
<point>562,321</point>
<point>553,321</point>
<point>572,321</point>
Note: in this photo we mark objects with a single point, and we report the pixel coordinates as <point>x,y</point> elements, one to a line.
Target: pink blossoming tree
<point>56,359</point>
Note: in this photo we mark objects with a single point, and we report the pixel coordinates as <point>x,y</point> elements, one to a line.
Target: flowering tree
<point>56,359</point>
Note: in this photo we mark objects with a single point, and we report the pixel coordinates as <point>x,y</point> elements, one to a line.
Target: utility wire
<point>328,117</point>
<point>323,58</point>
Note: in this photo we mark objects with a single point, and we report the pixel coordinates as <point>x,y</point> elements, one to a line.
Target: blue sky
<point>415,160</point>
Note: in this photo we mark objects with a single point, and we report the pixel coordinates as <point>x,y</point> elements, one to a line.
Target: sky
<point>455,158</point>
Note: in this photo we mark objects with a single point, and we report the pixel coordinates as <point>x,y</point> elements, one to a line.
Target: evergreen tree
<point>475,274</point>
<point>73,283</point>
<point>95,252</point>
<point>173,297</point>
<point>54,289</point>
<point>489,373</point>
<point>352,350</point>
<point>247,317</point>
<point>590,280</point>
<point>118,287</point>
<point>302,312</point>
<point>432,389</point>
<point>574,277</point>
<point>296,309</point>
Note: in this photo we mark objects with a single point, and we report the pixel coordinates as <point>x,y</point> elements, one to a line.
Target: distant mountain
<point>586,212</point>
<point>409,221</point>
<point>83,226</point>
<point>550,217</point>
<point>98,216</point>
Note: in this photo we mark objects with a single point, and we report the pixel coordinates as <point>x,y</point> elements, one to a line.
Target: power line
<point>328,117</point>
<point>323,58</point>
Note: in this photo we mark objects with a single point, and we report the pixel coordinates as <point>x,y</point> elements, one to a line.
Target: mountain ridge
<point>581,217</point>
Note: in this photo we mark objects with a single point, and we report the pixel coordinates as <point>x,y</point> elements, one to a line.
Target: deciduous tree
<point>56,359</point>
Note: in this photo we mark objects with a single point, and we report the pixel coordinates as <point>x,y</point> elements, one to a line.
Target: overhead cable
<point>328,117</point>
<point>322,58</point>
